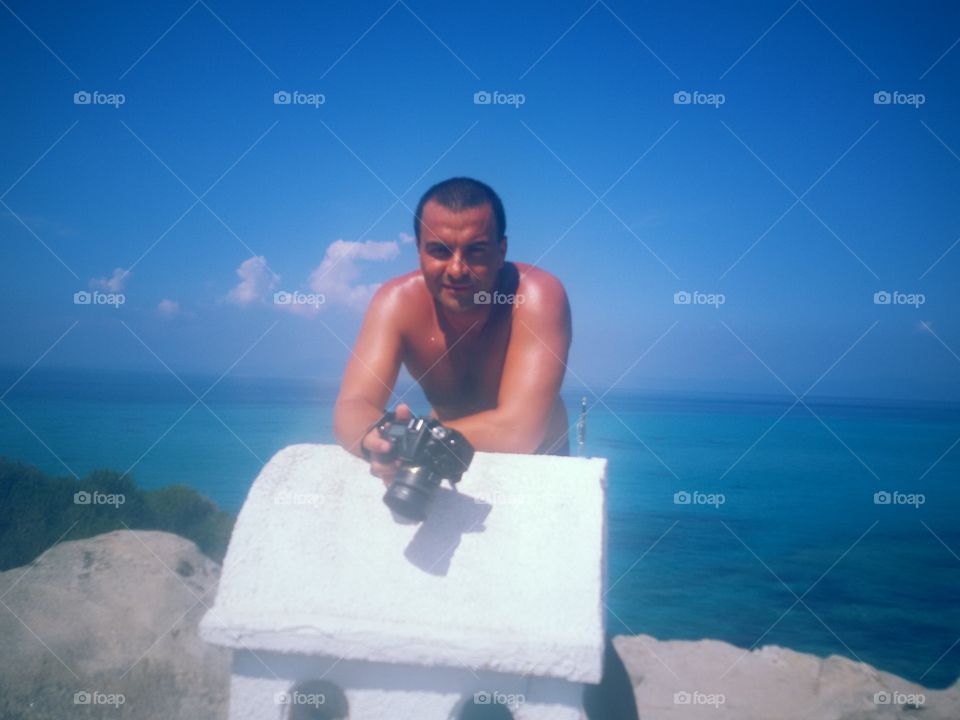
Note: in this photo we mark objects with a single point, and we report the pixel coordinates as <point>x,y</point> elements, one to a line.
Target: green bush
<point>38,510</point>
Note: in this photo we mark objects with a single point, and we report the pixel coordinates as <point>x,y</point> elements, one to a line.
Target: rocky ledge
<point>107,627</point>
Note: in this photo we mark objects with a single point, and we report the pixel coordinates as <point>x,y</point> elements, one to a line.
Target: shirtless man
<point>490,370</point>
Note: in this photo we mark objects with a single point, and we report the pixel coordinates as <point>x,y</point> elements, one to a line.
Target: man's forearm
<point>498,431</point>
<point>352,418</point>
<point>494,430</point>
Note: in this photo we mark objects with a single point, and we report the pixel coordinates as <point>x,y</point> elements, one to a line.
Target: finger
<point>383,470</point>
<point>376,444</point>
<point>403,412</point>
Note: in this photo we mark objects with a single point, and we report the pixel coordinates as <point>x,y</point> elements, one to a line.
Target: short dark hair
<point>461,193</point>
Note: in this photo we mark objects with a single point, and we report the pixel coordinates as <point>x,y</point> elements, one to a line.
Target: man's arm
<point>371,371</point>
<point>532,374</point>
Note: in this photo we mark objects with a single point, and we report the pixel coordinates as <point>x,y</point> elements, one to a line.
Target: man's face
<point>460,253</point>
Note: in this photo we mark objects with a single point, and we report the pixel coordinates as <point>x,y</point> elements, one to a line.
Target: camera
<point>428,453</point>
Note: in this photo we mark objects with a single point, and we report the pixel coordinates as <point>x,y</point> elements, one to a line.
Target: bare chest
<point>459,375</point>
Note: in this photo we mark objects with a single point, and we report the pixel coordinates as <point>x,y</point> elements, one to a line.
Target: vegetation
<point>38,510</point>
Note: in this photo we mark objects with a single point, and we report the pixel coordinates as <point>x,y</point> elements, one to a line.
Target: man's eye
<point>439,251</point>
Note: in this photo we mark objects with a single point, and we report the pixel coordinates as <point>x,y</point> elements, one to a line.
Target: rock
<point>115,618</point>
<point>107,627</point>
<point>681,680</point>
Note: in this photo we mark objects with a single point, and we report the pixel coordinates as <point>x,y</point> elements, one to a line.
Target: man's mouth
<point>456,288</point>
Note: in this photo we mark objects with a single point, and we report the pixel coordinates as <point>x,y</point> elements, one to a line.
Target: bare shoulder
<point>397,289</point>
<point>542,292</point>
<point>399,298</point>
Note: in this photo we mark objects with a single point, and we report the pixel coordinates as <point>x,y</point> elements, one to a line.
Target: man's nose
<point>457,268</point>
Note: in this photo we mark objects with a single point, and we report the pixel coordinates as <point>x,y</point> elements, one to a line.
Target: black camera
<point>428,453</point>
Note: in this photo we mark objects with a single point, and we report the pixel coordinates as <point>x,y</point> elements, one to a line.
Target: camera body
<point>428,453</point>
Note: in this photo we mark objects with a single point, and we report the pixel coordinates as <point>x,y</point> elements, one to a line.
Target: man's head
<point>460,229</point>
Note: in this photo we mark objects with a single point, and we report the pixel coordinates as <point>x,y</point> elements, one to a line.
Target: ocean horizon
<point>825,526</point>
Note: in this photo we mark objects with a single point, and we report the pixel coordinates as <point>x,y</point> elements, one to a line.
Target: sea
<point>828,526</point>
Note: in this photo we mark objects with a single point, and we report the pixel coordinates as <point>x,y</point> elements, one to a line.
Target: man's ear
<point>503,247</point>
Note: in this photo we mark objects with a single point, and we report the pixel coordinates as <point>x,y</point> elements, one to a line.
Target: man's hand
<point>380,465</point>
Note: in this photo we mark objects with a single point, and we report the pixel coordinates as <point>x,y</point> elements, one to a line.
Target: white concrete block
<point>502,584</point>
<point>387,690</point>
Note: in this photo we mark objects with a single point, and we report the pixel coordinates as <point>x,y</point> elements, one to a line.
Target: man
<point>486,339</point>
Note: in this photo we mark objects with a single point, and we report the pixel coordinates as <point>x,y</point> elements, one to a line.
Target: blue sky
<point>796,199</point>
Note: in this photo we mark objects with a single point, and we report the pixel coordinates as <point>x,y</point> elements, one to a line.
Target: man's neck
<point>455,325</point>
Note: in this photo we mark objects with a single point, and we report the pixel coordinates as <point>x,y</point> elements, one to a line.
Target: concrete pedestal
<point>497,595</point>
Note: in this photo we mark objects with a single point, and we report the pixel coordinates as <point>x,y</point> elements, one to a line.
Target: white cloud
<point>168,308</point>
<point>407,239</point>
<point>332,282</point>
<point>338,272</point>
<point>112,284</point>
<point>257,280</point>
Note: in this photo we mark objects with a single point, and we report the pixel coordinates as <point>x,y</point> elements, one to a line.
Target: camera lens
<point>409,495</point>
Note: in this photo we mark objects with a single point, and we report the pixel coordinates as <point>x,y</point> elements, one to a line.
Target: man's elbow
<point>339,431</point>
<point>521,436</point>
<point>340,435</point>
<point>343,427</point>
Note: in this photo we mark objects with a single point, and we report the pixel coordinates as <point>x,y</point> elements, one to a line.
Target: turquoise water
<point>879,583</point>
